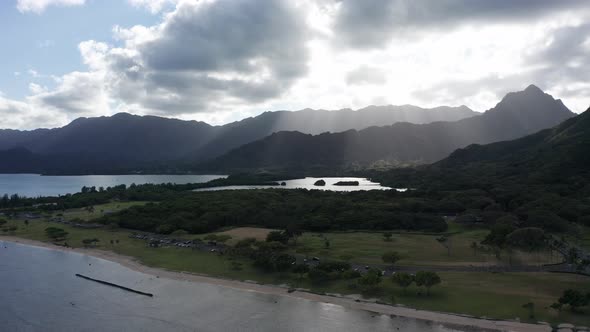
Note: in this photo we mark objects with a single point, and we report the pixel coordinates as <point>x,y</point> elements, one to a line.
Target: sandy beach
<point>449,320</point>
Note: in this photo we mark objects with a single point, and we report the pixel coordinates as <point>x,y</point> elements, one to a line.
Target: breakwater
<point>114,285</point>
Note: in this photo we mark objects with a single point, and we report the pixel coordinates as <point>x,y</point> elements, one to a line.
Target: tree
<point>531,308</point>
<point>283,262</point>
<point>318,275</point>
<point>572,255</point>
<point>301,269</point>
<point>557,306</point>
<point>427,279</point>
<point>391,257</point>
<point>474,246</point>
<point>90,242</point>
<point>245,243</point>
<point>371,278</point>
<point>528,238</point>
<point>387,236</point>
<point>402,279</point>
<point>574,299</point>
<point>498,234</point>
<point>582,265</point>
<point>445,242</point>
<point>271,247</point>
<point>277,236</point>
<point>293,231</point>
<point>56,233</point>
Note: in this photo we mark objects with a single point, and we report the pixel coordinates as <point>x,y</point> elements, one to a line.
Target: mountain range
<point>553,160</point>
<point>304,139</point>
<point>517,114</point>
<point>125,142</point>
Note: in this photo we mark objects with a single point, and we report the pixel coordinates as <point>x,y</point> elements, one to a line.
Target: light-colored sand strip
<point>442,318</point>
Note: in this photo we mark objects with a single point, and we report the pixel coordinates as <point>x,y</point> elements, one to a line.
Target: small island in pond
<point>320,183</point>
<point>346,183</point>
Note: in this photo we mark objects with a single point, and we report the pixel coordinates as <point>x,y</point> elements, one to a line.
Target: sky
<point>221,61</point>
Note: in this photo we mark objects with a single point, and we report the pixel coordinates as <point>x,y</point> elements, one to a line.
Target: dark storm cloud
<point>371,23</point>
<point>230,35</point>
<point>567,50</point>
<point>234,50</point>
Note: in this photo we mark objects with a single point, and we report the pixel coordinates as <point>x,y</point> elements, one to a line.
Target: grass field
<point>479,294</point>
<point>491,295</point>
<point>415,249</point>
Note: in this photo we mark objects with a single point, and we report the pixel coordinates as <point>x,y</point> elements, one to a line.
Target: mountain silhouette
<point>124,142</point>
<point>516,115</point>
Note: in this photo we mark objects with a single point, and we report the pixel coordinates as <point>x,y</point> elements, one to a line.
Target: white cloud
<point>366,75</point>
<point>23,115</point>
<point>154,6</point>
<point>33,73</point>
<point>205,55</point>
<point>78,94</point>
<point>37,89</point>
<point>220,61</point>
<point>38,6</point>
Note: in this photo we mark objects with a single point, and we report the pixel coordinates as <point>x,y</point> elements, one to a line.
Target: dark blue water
<point>39,292</point>
<point>33,185</point>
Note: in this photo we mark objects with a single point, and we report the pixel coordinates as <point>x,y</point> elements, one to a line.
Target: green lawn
<point>415,249</point>
<point>181,259</point>
<point>491,295</point>
<point>480,294</point>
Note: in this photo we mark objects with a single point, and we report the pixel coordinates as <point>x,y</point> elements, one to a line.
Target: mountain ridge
<point>136,142</point>
<point>517,114</point>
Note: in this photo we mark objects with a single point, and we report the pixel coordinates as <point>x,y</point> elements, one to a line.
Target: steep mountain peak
<point>530,93</point>
<point>531,101</point>
<point>533,89</point>
<point>123,115</point>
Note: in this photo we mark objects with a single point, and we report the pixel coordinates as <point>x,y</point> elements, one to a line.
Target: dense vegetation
<point>89,196</point>
<point>541,180</point>
<point>274,208</point>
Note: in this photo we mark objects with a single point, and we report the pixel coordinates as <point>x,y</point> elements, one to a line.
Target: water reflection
<point>309,183</point>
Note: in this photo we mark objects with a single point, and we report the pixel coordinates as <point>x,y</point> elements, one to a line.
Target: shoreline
<point>446,319</point>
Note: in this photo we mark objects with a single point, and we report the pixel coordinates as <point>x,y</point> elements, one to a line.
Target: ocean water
<point>33,185</point>
<point>40,292</point>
